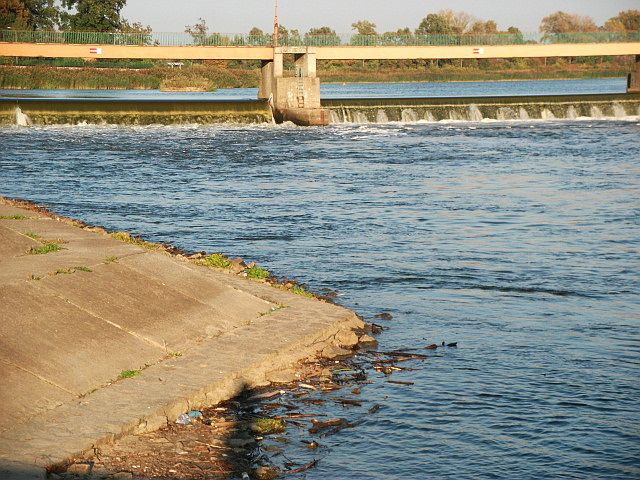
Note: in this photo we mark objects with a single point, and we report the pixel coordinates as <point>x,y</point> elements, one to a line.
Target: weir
<point>296,97</point>
<point>376,110</point>
<point>475,109</point>
<point>131,112</point>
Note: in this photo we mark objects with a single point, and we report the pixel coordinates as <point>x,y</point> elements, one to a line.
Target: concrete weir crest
<point>293,98</point>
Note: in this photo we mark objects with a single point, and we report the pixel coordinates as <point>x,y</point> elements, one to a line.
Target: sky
<point>240,16</point>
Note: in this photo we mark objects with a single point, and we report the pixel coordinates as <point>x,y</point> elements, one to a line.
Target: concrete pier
<point>293,98</point>
<point>77,320</point>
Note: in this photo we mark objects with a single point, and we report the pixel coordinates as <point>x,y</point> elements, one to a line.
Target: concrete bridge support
<point>294,98</point>
<point>633,83</point>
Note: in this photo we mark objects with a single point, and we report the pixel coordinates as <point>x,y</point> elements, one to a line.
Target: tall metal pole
<point>275,27</point>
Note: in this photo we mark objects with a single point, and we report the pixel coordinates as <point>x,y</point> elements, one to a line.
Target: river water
<point>517,239</point>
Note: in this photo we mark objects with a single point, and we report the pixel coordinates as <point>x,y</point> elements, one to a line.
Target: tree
<point>562,22</point>
<point>321,31</point>
<point>628,20</point>
<point>94,15</point>
<point>28,14</point>
<point>198,31</point>
<point>135,32</point>
<point>256,32</point>
<point>402,36</point>
<point>135,27</point>
<point>322,36</point>
<point>364,27</point>
<point>434,23</point>
<point>488,27</point>
<point>445,22</point>
<point>614,25</point>
<point>14,14</point>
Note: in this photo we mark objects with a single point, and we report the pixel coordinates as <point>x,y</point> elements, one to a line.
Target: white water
<point>596,112</point>
<point>409,115</point>
<point>571,114</point>
<point>381,116</point>
<point>475,115</point>
<point>22,119</point>
<point>619,111</point>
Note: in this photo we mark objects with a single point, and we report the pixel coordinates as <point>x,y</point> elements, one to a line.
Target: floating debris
<point>268,426</point>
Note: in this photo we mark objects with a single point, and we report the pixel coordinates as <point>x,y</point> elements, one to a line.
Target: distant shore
<point>207,78</point>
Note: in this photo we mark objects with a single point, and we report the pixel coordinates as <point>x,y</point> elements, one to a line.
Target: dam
<point>295,96</point>
<point>100,111</point>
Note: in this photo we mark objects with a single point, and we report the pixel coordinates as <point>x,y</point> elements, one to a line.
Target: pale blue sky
<point>239,16</point>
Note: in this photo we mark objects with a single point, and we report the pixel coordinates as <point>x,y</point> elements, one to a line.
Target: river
<point>517,239</point>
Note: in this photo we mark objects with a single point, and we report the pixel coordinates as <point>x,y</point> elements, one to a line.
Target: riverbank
<point>106,335</point>
<point>209,77</point>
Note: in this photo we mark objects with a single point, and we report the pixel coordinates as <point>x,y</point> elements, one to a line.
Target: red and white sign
<point>95,51</point>
<point>478,51</point>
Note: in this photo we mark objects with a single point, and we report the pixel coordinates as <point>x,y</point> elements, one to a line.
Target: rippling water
<point>519,240</point>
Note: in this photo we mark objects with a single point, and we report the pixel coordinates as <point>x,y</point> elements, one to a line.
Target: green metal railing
<point>218,39</point>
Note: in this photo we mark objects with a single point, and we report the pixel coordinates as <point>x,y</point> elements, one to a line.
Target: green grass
<point>128,374</point>
<point>70,271</point>
<point>33,235</point>
<point>44,249</point>
<point>215,260</point>
<point>110,259</point>
<point>127,238</point>
<point>298,290</point>
<point>13,217</point>
<point>258,273</point>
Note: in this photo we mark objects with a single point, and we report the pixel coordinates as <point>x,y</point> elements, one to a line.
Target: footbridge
<point>296,96</point>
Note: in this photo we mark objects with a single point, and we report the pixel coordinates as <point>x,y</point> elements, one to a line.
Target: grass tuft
<point>110,259</point>
<point>63,271</point>
<point>127,238</point>
<point>82,269</point>
<point>128,374</point>
<point>44,249</point>
<point>33,235</point>
<point>298,290</point>
<point>215,260</point>
<point>258,273</point>
<point>13,217</point>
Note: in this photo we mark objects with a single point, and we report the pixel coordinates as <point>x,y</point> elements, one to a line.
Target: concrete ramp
<point>79,318</point>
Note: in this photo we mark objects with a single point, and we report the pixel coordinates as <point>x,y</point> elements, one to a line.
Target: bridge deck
<point>323,53</point>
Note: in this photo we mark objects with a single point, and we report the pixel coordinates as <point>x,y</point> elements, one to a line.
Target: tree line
<point>105,16</point>
<point>67,15</point>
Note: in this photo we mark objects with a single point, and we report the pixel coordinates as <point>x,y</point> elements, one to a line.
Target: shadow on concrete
<point>18,471</point>
<point>218,445</point>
